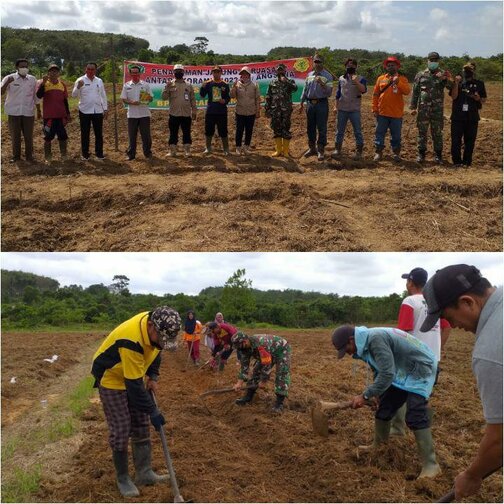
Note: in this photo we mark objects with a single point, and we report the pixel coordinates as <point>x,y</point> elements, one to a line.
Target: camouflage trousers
<point>281,124</point>
<point>282,375</point>
<point>435,121</point>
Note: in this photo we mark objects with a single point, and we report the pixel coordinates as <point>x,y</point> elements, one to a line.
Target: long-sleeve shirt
<point>125,358</point>
<point>55,99</point>
<point>314,90</point>
<point>390,103</point>
<point>180,95</point>
<point>21,95</point>
<point>227,331</point>
<point>428,91</point>
<point>216,91</point>
<point>92,95</point>
<point>248,98</point>
<point>279,96</point>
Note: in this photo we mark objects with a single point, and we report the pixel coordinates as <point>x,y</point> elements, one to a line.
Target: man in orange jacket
<point>388,107</point>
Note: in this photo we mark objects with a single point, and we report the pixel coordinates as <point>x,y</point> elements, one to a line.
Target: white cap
<point>245,69</point>
<point>178,67</point>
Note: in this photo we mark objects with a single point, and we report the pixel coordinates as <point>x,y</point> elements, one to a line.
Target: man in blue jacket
<point>405,371</point>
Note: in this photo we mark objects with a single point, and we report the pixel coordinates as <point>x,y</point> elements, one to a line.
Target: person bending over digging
<point>221,334</point>
<point>405,371</point>
<point>130,354</point>
<point>267,351</point>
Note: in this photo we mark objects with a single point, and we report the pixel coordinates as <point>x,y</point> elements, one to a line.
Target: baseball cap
<point>217,68</point>
<point>445,287</point>
<point>166,320</point>
<point>417,275</point>
<point>391,59</point>
<point>433,55</point>
<point>470,65</point>
<point>340,338</point>
<point>317,59</point>
<point>178,67</point>
<point>280,66</point>
<point>51,67</point>
<point>245,69</point>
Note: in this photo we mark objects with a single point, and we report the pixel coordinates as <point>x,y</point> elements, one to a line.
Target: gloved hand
<point>157,419</point>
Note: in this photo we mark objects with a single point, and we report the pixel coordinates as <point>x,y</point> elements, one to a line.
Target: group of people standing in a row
<point>405,361</point>
<point>468,94</point>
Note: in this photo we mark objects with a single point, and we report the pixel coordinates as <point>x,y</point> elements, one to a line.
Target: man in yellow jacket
<point>130,354</point>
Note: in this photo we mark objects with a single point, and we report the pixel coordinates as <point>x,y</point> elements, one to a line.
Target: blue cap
<point>417,275</point>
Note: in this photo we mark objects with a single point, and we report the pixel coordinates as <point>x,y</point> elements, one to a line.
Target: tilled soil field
<point>226,453</point>
<point>256,202</point>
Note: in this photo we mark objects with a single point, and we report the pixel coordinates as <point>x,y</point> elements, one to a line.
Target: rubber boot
<point>63,149</point>
<point>172,151</point>
<point>397,154</point>
<point>320,152</point>
<point>381,436</point>
<point>47,152</point>
<point>278,406</point>
<point>124,482</point>
<point>421,157</point>
<point>438,159</point>
<point>246,398</point>
<point>425,445</point>
<point>225,146</point>
<point>285,143</point>
<point>358,153</point>
<point>378,154</point>
<point>142,455</point>
<point>398,423</point>
<point>208,149</point>
<point>337,151</point>
<point>278,147</point>
<point>311,150</point>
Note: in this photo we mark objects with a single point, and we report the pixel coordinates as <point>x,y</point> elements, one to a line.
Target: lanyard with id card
<point>465,107</point>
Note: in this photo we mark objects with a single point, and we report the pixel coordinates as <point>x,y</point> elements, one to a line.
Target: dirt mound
<point>257,202</point>
<point>226,453</point>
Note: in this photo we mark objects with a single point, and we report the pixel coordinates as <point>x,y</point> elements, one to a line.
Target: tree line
<point>30,301</point>
<point>75,48</point>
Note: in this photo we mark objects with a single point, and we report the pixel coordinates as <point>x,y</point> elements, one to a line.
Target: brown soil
<point>257,203</point>
<point>225,453</point>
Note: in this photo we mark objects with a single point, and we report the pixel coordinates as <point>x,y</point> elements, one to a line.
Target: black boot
<point>63,149</point>
<point>142,455</point>
<point>47,152</point>
<point>438,159</point>
<point>124,483</point>
<point>337,150</point>
<point>311,150</point>
<point>278,406</point>
<point>421,157</point>
<point>320,152</point>
<point>246,398</point>
<point>397,154</point>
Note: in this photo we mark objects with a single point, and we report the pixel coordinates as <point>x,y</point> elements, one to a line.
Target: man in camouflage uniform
<point>278,108</point>
<point>266,350</point>
<point>427,99</point>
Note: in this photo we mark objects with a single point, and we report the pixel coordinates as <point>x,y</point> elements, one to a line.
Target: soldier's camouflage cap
<point>280,66</point>
<point>167,321</point>
<point>239,338</point>
<point>433,55</point>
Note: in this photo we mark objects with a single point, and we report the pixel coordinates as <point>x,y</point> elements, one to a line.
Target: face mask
<point>179,75</point>
<point>135,78</point>
<point>433,65</point>
<point>23,72</point>
<point>350,70</point>
<point>468,74</point>
<point>244,78</point>
<point>90,73</point>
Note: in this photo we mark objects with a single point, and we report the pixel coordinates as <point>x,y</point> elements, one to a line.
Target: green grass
<point>79,398</point>
<point>63,428</point>
<point>22,485</point>
<point>9,447</point>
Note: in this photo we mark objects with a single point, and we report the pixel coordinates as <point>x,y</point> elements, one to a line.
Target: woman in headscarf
<point>192,332</point>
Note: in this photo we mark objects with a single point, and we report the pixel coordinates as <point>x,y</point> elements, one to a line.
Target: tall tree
<point>120,284</point>
<point>238,302</point>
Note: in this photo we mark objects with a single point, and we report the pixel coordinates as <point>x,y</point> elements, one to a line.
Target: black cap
<point>417,275</point>
<point>433,55</point>
<point>445,287</point>
<point>340,338</point>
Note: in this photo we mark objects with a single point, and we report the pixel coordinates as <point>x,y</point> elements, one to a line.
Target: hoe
<point>320,417</point>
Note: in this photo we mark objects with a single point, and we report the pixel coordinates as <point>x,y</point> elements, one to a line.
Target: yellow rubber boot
<point>286,143</point>
<point>278,147</point>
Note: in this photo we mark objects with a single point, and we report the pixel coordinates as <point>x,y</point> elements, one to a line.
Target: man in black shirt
<point>468,96</point>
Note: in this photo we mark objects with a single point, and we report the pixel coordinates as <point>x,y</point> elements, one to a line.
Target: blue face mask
<point>433,65</point>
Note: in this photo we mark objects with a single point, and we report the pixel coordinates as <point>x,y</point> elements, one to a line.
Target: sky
<point>254,27</point>
<point>363,274</point>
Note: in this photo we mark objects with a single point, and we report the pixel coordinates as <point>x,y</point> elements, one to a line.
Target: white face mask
<point>23,72</point>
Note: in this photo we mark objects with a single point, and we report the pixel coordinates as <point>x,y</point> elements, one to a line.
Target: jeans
<point>86,120</point>
<point>383,124</point>
<point>316,119</point>
<point>355,118</point>
<point>244,123</point>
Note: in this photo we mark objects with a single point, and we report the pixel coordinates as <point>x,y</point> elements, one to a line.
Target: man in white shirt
<point>92,109</point>
<point>20,108</point>
<point>412,314</point>
<point>137,95</point>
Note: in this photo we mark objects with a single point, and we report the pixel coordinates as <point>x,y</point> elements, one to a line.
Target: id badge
<point>465,107</point>
<point>186,96</point>
<point>394,89</point>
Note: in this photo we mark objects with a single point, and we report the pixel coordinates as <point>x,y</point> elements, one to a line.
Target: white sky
<point>252,27</point>
<point>364,274</point>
